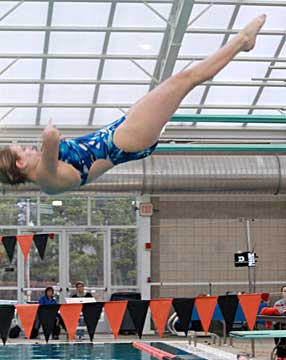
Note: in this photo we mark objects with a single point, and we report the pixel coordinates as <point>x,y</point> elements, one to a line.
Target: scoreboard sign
<point>246,258</point>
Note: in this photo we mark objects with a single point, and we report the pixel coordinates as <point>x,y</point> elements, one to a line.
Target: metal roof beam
<point>274,83</point>
<point>128,105</point>
<point>171,43</point>
<point>129,57</point>
<point>179,30</point>
<point>243,2</point>
<point>215,2</point>
<point>44,60</point>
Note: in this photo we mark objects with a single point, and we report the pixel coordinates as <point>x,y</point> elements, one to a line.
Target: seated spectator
<point>49,299</point>
<point>80,290</point>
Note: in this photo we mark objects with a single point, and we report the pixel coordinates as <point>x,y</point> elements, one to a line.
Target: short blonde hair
<point>9,172</point>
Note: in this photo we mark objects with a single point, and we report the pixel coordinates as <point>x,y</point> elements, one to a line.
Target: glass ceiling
<point>84,63</point>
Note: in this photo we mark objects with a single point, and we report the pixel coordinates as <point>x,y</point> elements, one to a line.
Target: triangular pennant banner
<point>205,306</point>
<point>160,309</point>
<point>91,313</point>
<point>184,308</point>
<point>228,305</point>
<point>115,311</point>
<point>250,305</point>
<point>47,316</point>
<point>6,315</point>
<point>25,242</point>
<point>138,311</point>
<point>27,314</point>
<point>70,314</point>
<point>40,241</point>
<point>9,243</point>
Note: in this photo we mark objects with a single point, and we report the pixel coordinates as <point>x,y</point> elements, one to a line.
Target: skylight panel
<point>216,16</point>
<point>22,69</point>
<point>231,95</point>
<point>128,70</point>
<point>28,13</point>
<point>65,116</point>
<point>184,112</point>
<point>135,43</point>
<point>283,54</point>
<point>121,93</point>
<point>275,16</point>
<point>80,14</point>
<point>76,42</point>
<point>242,71</point>
<point>68,93</point>
<point>18,93</point>
<point>19,116</point>
<point>266,45</point>
<point>107,116</point>
<point>194,95</point>
<point>200,44</point>
<point>139,15</point>
<point>72,69</point>
<point>273,96</point>
<point>21,42</point>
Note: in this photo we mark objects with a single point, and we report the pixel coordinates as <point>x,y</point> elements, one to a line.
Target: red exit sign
<point>146,209</point>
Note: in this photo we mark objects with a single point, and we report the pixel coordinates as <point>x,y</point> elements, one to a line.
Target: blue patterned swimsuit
<point>81,152</point>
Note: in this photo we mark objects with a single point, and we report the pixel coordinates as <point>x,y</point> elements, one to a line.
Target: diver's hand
<point>50,131</point>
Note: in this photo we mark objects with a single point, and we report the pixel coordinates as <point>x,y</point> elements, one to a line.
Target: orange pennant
<point>115,311</point>
<point>250,305</point>
<point>70,314</point>
<point>25,242</point>
<point>160,309</point>
<point>205,306</point>
<point>27,314</point>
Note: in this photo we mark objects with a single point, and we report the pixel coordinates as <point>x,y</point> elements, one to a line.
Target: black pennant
<point>184,308</point>
<point>138,310</point>
<point>47,316</point>
<point>40,241</point>
<point>6,316</point>
<point>228,305</point>
<point>91,313</point>
<point>9,243</point>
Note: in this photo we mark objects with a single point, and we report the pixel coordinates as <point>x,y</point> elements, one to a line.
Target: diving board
<point>258,334</point>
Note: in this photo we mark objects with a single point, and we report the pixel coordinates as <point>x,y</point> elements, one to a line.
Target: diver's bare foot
<point>250,31</point>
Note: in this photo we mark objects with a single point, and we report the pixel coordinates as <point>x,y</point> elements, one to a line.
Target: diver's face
<point>28,156</point>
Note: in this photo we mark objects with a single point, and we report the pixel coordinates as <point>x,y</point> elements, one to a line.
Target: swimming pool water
<point>72,352</point>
